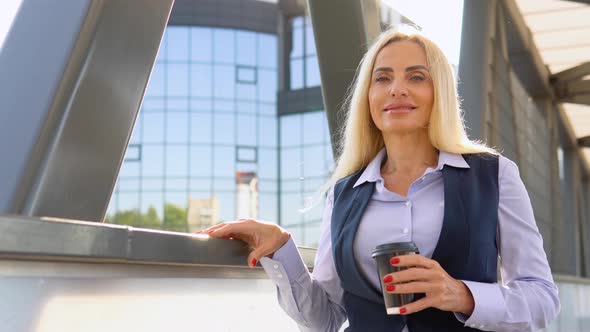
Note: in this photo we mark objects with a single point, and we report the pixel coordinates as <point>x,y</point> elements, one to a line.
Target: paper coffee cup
<point>382,255</point>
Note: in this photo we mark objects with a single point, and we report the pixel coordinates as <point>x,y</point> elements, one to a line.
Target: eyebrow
<point>411,68</point>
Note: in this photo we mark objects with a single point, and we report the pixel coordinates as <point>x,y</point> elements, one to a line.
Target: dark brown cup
<point>382,255</point>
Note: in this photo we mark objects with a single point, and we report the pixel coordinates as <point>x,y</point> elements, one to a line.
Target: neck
<point>409,153</point>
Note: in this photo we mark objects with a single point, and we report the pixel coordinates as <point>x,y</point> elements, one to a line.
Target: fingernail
<point>402,310</point>
<point>394,260</point>
<point>254,262</point>
<point>387,279</point>
<point>390,288</point>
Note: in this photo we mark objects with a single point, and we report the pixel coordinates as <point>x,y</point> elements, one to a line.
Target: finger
<point>410,288</point>
<point>256,254</point>
<point>412,274</point>
<point>414,260</point>
<point>211,229</point>
<point>423,303</point>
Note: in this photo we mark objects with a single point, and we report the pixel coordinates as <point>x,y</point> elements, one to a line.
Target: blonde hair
<point>360,140</point>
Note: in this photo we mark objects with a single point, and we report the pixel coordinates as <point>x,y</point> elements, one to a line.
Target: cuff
<point>490,307</point>
<point>286,262</point>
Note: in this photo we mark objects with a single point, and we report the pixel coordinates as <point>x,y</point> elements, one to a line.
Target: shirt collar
<point>373,171</point>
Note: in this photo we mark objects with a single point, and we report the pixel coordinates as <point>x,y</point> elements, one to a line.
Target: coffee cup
<point>383,254</point>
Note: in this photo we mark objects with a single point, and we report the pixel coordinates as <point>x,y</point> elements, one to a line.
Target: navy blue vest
<point>466,248</point>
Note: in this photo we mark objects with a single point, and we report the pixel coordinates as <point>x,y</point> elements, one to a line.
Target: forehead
<point>401,54</point>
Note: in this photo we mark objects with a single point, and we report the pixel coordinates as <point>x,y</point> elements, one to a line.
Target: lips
<point>399,108</point>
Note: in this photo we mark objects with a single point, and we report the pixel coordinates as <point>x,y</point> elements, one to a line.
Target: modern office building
<point>235,90</point>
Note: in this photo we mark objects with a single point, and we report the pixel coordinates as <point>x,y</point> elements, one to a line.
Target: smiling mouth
<point>399,110</point>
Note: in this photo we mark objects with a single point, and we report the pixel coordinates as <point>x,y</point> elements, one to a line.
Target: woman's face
<point>401,93</point>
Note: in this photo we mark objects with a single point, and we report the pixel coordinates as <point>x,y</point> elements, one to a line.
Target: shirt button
<point>473,325</point>
<point>279,275</point>
<point>276,266</point>
<point>407,203</point>
<point>481,326</point>
<point>405,230</point>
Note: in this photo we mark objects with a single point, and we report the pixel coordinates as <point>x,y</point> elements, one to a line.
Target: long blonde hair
<point>361,140</point>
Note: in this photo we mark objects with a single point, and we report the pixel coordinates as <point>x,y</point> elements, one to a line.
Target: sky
<point>441,21</point>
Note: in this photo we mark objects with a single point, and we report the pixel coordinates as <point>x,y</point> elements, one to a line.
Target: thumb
<point>255,256</point>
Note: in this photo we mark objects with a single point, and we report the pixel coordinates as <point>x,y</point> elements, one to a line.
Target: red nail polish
<point>390,288</point>
<point>387,279</point>
<point>402,310</point>
<point>394,260</point>
<point>254,262</point>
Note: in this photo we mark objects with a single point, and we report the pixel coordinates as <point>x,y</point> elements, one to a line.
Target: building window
<point>133,153</point>
<point>246,74</point>
<point>246,154</point>
<point>304,68</point>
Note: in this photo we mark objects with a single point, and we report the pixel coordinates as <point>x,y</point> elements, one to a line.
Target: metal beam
<point>573,73</point>
<point>342,31</point>
<point>584,141</point>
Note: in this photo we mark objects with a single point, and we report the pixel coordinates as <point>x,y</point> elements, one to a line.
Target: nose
<point>398,88</point>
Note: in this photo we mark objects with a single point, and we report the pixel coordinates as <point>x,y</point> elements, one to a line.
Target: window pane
<point>246,74</point>
<point>224,81</point>
<point>268,186</point>
<point>224,128</point>
<point>176,184</point>
<point>201,162</point>
<point>297,50</point>
<point>200,127</point>
<point>224,161</point>
<point>223,106</point>
<point>153,127</point>
<point>313,161</point>
<point>201,78</point>
<point>267,51</point>
<point>136,134</point>
<point>152,209</point>
<point>267,163</point>
<point>176,160</point>
<point>267,109</point>
<point>267,131</point>
<point>291,130</point>
<point>267,207</point>
<point>152,160</point>
<point>309,41</point>
<point>296,74</point>
<point>177,128</point>
<point>312,72</point>
<point>298,21</point>
<point>224,184</point>
<point>247,47</point>
<point>313,132</point>
<point>267,85</point>
<point>203,185</point>
<point>246,107</point>
<point>128,202</point>
<point>227,203</point>
<point>156,84</point>
<point>290,206</point>
<point>130,168</point>
<point>246,91</point>
<point>152,184</point>
<point>201,105</point>
<point>177,104</point>
<point>224,46</point>
<point>177,38</point>
<point>246,154</point>
<point>202,44</point>
<point>291,164</point>
<point>177,84</point>
<point>152,104</point>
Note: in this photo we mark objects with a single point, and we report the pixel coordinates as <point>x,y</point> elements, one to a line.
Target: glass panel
<point>312,72</point>
<point>128,207</point>
<point>227,204</point>
<point>224,161</point>
<point>313,130</point>
<point>225,81</point>
<point>296,74</point>
<point>224,184</point>
<point>267,109</point>
<point>268,186</point>
<point>152,210</point>
<point>246,74</point>
<point>297,50</point>
<point>153,127</point>
<point>152,184</point>
<point>130,168</point>
<point>152,160</point>
<point>200,185</point>
<point>200,130</point>
<point>311,235</point>
<point>267,210</point>
<point>291,186</point>
<point>224,46</point>
<point>176,185</point>
<point>201,105</point>
<point>177,83</point>
<point>177,104</point>
<point>152,104</point>
<point>298,21</point>
<point>224,128</point>
<point>267,163</point>
<point>177,128</point>
<point>201,80</point>
<point>224,106</point>
<point>267,131</point>
<point>246,107</point>
<point>176,160</point>
<point>175,212</point>
<point>267,85</point>
<point>136,134</point>
<point>247,48</point>
<point>313,161</point>
<point>156,83</point>
<point>246,91</point>
<point>201,44</point>
<point>267,51</point>
<point>246,154</point>
<point>291,164</point>
<point>309,40</point>
<point>178,41</point>
<point>200,160</point>
<point>290,206</point>
<point>291,130</point>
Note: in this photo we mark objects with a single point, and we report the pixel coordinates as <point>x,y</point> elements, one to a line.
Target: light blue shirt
<point>525,298</point>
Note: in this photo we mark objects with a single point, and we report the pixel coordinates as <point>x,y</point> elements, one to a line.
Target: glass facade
<point>304,66</point>
<point>208,145</point>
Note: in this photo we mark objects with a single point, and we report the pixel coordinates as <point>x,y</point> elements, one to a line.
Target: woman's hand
<point>425,275</point>
<point>262,237</point>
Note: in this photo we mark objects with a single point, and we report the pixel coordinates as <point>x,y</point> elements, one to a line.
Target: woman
<point>408,172</point>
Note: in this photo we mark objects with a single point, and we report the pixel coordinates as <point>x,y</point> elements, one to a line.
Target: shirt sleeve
<point>314,300</point>
<point>526,299</point>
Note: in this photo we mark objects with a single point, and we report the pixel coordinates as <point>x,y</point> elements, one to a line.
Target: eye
<point>417,78</point>
<point>381,79</point>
